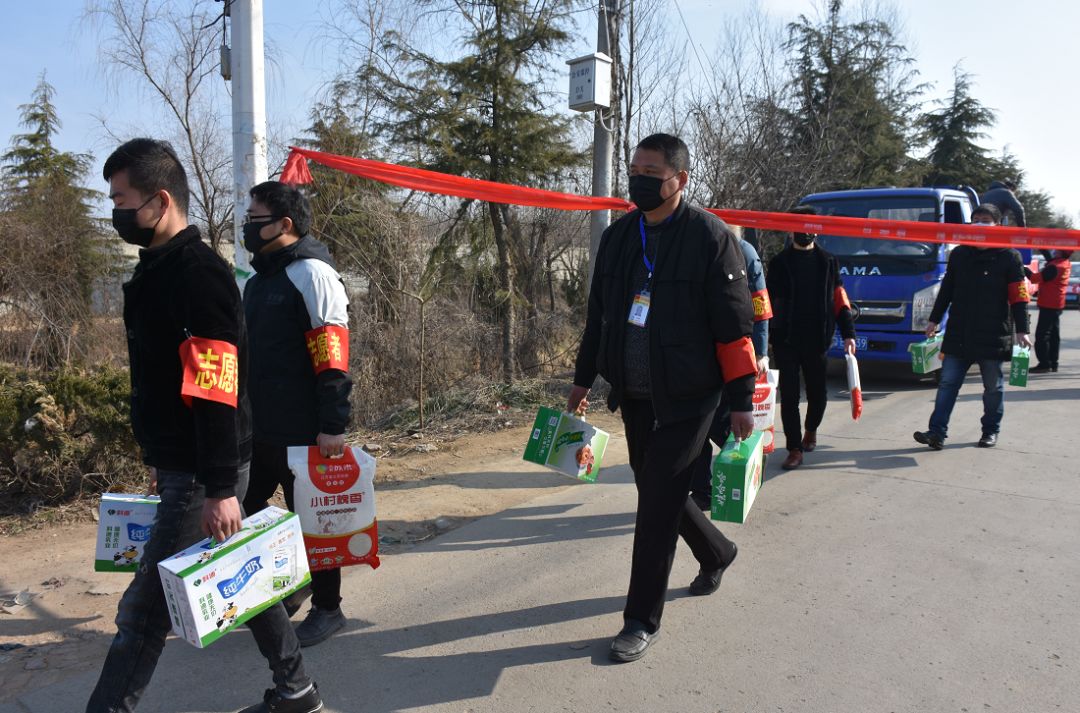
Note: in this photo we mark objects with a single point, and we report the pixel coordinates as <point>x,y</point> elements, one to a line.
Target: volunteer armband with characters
<point>736,359</point>
<point>1018,293</point>
<point>210,371</point>
<point>762,305</point>
<point>328,347</point>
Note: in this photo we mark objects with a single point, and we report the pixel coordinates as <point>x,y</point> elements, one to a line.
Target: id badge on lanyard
<point>639,310</point>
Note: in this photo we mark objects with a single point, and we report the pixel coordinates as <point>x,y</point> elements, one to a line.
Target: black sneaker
<point>989,440</point>
<point>929,438</point>
<point>274,702</point>
<point>319,626</point>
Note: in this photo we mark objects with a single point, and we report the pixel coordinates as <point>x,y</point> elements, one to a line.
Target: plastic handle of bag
<point>316,458</point>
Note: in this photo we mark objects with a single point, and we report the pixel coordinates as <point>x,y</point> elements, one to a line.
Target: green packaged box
<point>1018,369</point>
<point>736,478</point>
<point>567,444</point>
<point>926,355</point>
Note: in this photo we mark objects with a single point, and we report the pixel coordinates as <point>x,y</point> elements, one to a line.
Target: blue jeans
<point>953,371</point>
<point>143,622</point>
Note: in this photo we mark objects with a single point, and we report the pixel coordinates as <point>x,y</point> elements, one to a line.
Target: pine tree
<point>953,133</point>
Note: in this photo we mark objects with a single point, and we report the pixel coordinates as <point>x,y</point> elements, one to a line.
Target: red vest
<point>1052,293</point>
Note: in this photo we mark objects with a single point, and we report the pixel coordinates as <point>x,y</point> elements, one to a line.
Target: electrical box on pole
<point>590,82</point>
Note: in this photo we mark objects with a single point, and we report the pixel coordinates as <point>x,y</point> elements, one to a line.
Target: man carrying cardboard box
<point>985,293</point>
<point>668,326</point>
<point>298,327</point>
<point>190,415</point>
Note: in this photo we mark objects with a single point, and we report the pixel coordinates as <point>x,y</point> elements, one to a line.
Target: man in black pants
<point>809,302</point>
<point>668,327</point>
<point>298,329</point>
<point>190,415</point>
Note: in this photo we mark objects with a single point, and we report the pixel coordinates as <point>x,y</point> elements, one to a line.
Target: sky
<point>1024,58</point>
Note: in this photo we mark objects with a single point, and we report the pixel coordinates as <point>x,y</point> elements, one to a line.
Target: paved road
<point>879,577</point>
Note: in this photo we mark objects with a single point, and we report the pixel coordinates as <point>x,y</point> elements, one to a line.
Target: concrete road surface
<point>881,576</point>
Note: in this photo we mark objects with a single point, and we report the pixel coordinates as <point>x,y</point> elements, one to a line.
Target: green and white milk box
<point>124,524</point>
<point>567,444</point>
<point>213,587</point>
<point>1018,368</point>
<point>736,478</point>
<point>926,355</point>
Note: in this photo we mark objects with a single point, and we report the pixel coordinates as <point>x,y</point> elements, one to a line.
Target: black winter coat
<point>986,296</point>
<point>295,290</point>
<point>182,289</point>
<point>833,311</point>
<point>699,299</point>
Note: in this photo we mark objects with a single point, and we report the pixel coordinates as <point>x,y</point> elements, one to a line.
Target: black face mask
<point>803,240</point>
<point>253,241</point>
<point>645,192</point>
<point>127,225</point>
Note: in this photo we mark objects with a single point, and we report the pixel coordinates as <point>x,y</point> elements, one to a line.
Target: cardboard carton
<point>765,408</point>
<point>213,587</point>
<point>124,525</point>
<point>926,355</point>
<point>736,478</point>
<point>567,444</point>
<point>1018,368</point>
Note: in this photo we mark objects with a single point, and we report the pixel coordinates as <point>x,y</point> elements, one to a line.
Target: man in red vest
<point>1053,279</point>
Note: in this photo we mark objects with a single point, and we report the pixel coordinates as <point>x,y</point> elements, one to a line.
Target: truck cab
<point>892,284</point>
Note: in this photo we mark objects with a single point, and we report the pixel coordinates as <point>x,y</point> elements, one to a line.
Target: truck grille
<point>881,312</point>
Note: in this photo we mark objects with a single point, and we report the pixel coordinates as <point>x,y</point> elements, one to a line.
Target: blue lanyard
<point>649,264</point>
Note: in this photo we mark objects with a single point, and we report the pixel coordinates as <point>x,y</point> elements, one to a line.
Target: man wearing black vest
<point>668,326</point>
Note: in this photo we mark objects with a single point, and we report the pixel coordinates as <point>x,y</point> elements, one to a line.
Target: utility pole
<point>248,115</point>
<point>602,145</point>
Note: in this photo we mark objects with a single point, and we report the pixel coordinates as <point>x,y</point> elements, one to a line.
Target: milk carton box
<point>926,355</point>
<point>212,587</point>
<point>567,444</point>
<point>736,478</point>
<point>124,525</point>
<point>1018,368</point>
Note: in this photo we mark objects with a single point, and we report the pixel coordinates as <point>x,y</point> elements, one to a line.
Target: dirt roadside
<point>65,627</point>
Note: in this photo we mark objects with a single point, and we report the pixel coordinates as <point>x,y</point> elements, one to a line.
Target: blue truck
<point>892,284</point>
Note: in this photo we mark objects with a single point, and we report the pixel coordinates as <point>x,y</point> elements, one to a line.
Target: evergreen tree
<point>51,231</point>
<point>953,133</point>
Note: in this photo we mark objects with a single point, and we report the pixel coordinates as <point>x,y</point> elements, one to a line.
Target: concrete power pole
<point>248,115</point>
<point>602,147</point>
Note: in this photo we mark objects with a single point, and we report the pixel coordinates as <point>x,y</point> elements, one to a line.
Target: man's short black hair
<point>285,201</point>
<point>151,166</point>
<point>804,209</point>
<point>988,209</point>
<point>676,154</point>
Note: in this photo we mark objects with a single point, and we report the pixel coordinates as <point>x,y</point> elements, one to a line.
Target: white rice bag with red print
<point>854,386</point>
<point>335,499</point>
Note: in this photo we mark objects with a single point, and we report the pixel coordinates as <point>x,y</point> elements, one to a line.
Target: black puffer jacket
<point>833,308</point>
<point>986,296</point>
<point>182,289</point>
<point>295,290</point>
<point>699,301</point>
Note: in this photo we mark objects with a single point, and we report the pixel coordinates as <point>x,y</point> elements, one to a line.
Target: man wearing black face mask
<point>298,329</point>
<point>668,327</point>
<point>809,303</point>
<point>189,413</point>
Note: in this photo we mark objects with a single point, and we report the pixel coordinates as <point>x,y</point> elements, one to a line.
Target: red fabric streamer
<point>418,179</point>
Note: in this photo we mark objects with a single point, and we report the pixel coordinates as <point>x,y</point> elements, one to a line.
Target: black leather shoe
<point>989,440</point>
<point>708,581</point>
<point>274,702</point>
<point>929,438</point>
<point>319,625</point>
<point>632,642</point>
<point>1041,369</point>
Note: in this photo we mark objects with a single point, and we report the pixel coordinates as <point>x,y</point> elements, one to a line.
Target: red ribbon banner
<point>418,179</point>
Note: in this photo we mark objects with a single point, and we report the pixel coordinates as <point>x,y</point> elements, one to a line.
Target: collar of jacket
<point>150,258</point>
<point>304,248</point>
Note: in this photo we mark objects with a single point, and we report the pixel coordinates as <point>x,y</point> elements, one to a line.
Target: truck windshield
<point>922,209</point>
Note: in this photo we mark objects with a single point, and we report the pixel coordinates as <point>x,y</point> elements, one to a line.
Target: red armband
<point>762,305</point>
<point>840,300</point>
<point>736,359</point>
<point>211,371</point>
<point>1018,292</point>
<point>328,347</point>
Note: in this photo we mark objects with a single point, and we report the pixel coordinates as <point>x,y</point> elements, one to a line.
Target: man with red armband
<point>298,329</point>
<point>1054,279</point>
<point>668,326</point>
<point>809,304</point>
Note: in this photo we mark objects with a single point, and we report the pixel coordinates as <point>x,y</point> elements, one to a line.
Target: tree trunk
<point>506,288</point>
